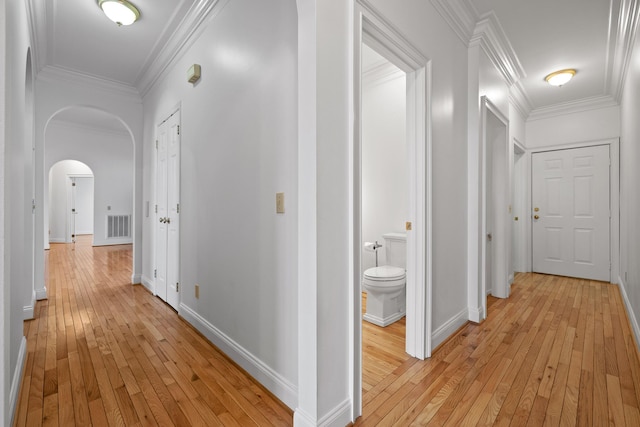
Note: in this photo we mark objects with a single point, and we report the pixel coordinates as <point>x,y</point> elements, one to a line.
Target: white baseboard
<point>148,283</point>
<point>17,378</point>
<point>41,293</point>
<point>136,279</point>
<point>338,417</point>
<point>632,316</point>
<point>273,381</point>
<point>475,314</point>
<point>29,310</point>
<point>449,328</point>
<point>57,240</point>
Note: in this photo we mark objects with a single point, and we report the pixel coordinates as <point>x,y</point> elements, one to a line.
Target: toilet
<point>386,285</point>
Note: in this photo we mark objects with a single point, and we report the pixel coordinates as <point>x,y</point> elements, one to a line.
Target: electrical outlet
<point>197,291</point>
<point>279,202</point>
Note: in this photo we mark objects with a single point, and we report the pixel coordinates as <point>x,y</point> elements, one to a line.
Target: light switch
<point>279,202</point>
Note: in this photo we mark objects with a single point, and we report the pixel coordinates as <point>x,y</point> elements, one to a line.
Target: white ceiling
<point>546,35</point>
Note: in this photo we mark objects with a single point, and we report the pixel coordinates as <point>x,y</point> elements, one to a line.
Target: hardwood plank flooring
<point>101,352</point>
<point>559,351</point>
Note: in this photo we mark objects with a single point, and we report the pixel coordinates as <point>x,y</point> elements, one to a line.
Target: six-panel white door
<point>570,218</point>
<point>167,208</point>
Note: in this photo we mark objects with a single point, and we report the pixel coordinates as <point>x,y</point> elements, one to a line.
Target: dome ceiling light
<point>120,11</point>
<point>558,78</point>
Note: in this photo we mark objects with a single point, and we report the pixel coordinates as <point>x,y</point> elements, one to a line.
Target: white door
<point>167,210</point>
<point>570,218</point>
<point>83,205</point>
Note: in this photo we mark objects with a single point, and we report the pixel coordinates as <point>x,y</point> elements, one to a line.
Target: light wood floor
<point>103,352</point>
<point>559,351</point>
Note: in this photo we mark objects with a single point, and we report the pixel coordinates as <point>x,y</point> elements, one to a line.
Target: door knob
<point>536,217</point>
<point>489,237</point>
<point>167,220</point>
<point>161,219</point>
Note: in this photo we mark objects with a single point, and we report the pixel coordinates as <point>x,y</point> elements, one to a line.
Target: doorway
<point>571,212</point>
<point>495,230</point>
<point>80,213</point>
<point>372,30</point>
<point>167,209</point>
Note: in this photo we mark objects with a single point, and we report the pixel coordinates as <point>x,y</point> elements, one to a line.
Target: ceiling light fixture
<point>558,78</point>
<point>120,11</point>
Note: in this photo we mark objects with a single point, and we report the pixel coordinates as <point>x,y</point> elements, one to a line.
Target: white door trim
<point>371,27</point>
<point>502,227</point>
<point>614,194</point>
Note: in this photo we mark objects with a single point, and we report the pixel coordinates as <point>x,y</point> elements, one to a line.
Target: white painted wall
<point>385,184</point>
<point>629,194</point>
<point>59,194</point>
<point>110,156</point>
<point>238,136</point>
<point>590,125</point>
<point>17,167</point>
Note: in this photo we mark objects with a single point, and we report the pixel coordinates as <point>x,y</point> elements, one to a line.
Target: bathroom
<point>385,188</point>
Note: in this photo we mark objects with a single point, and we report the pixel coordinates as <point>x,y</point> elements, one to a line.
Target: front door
<point>570,218</point>
<point>167,210</point>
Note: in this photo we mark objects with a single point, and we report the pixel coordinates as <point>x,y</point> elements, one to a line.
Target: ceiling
<point>544,35</point>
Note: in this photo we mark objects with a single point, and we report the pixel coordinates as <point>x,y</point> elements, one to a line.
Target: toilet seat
<point>384,273</point>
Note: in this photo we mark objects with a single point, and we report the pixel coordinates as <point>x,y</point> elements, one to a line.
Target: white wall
<point>238,136</point>
<point>590,125</point>
<point>384,162</point>
<point>59,194</point>
<point>110,156</point>
<point>17,167</point>
<point>629,193</point>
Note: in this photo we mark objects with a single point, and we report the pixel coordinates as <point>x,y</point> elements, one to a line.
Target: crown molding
<point>460,15</point>
<point>586,104</point>
<point>621,41</point>
<point>56,74</point>
<point>185,34</point>
<point>520,100</point>
<point>38,12</point>
<point>381,73</point>
<point>490,36</point>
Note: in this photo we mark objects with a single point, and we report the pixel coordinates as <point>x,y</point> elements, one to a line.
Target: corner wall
<point>629,194</point>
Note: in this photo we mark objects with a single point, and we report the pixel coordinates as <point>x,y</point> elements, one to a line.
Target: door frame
<point>174,111</point>
<point>372,28</point>
<point>501,222</point>
<point>70,203</point>
<point>614,197</point>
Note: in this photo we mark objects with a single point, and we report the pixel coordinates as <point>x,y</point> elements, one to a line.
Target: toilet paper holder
<point>373,247</point>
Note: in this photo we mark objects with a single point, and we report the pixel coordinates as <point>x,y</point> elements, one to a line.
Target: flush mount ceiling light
<point>120,11</point>
<point>561,77</point>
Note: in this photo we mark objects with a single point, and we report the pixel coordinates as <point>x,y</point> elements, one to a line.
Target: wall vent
<point>118,226</point>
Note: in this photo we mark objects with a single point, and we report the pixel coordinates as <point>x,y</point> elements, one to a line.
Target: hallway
<point>102,352</point>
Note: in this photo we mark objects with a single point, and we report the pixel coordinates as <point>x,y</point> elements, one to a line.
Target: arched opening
<point>83,144</point>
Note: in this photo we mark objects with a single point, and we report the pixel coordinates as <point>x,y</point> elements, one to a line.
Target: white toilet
<point>386,285</point>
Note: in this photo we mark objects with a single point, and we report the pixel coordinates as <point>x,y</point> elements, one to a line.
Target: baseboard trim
<point>273,381</point>
<point>630,314</point>
<point>29,310</point>
<point>475,314</point>
<point>449,328</point>
<point>41,293</point>
<point>136,279</point>
<point>17,378</point>
<point>148,283</point>
<point>338,417</point>
<point>57,240</point>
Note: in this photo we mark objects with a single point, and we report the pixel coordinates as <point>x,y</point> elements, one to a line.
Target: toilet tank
<point>396,249</point>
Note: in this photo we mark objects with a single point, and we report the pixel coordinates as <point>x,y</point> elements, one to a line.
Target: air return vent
<point>118,226</point>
